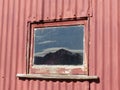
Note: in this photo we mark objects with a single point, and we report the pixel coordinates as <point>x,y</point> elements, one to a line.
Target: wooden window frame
<point>54,69</point>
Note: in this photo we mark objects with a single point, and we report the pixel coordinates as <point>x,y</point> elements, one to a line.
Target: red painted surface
<point>63,69</point>
<point>104,50</point>
<point>104,44</point>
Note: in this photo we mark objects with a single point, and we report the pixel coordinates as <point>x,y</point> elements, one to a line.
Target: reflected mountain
<point>60,57</point>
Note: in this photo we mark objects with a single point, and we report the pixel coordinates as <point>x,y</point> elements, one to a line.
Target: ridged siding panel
<point>104,58</point>
<point>14,18</point>
<point>56,9</point>
<point>104,45</point>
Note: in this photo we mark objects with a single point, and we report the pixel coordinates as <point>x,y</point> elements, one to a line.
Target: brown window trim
<point>60,70</point>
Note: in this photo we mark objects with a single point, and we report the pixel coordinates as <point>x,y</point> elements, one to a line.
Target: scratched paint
<point>103,50</point>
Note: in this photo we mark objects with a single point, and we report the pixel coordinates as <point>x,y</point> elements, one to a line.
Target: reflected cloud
<point>46,42</point>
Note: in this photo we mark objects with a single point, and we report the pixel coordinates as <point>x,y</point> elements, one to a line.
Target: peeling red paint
<point>104,50</point>
<point>76,71</point>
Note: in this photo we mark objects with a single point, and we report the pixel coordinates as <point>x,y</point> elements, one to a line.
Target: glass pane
<point>59,45</point>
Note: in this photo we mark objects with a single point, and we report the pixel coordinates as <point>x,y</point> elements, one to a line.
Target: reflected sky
<point>53,38</point>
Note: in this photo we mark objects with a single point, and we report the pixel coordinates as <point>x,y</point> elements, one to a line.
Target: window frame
<point>54,69</point>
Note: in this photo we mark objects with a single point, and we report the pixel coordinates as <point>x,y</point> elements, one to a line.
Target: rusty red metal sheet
<point>58,9</point>
<point>14,18</point>
<point>104,51</point>
<point>104,48</point>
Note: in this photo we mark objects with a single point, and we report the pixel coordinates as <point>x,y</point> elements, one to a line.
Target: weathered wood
<point>42,76</point>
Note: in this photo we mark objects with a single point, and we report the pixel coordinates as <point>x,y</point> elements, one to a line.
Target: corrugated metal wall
<point>14,16</point>
<point>105,44</point>
<point>104,41</point>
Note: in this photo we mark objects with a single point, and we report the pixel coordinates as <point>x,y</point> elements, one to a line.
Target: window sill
<point>42,76</point>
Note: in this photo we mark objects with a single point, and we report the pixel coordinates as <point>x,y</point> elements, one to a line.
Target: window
<point>59,48</point>
<point>61,45</point>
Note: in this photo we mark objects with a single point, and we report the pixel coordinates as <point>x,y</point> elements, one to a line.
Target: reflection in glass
<point>59,45</point>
